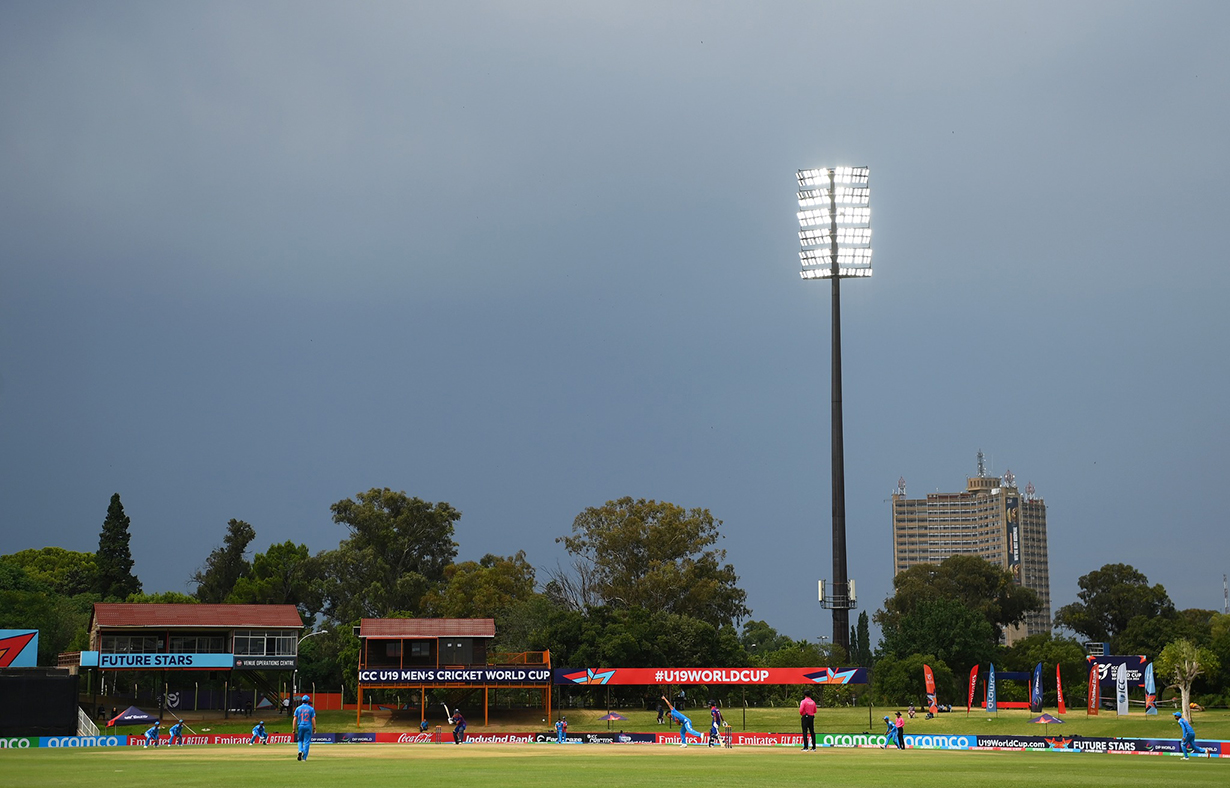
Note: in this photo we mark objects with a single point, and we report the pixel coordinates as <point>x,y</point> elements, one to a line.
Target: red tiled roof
<point>181,615</point>
<point>427,627</point>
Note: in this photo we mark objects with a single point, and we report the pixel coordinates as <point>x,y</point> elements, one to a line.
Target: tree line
<point>646,586</point>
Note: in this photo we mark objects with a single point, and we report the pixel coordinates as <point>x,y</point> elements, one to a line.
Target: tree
<point>162,598</point>
<point>1110,598</point>
<point>27,603</point>
<point>225,565</point>
<point>974,582</point>
<point>488,588</point>
<point>1180,663</point>
<point>1067,653</point>
<point>63,571</point>
<point>658,556</point>
<point>285,574</point>
<point>397,551</point>
<point>860,642</point>
<point>945,628</point>
<point>899,680</point>
<point>1150,634</point>
<point>760,638</point>
<point>115,579</point>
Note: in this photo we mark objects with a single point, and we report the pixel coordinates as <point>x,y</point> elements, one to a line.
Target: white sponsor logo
<point>414,738</point>
<point>938,742</point>
<point>848,740</point>
<point>83,741</point>
<point>14,744</point>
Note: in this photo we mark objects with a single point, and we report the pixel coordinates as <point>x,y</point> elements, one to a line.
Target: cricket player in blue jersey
<point>561,730</point>
<point>890,735</point>
<point>151,735</point>
<point>685,724</point>
<point>305,726</point>
<point>258,734</point>
<point>459,727</point>
<point>177,733</point>
<point>1189,737</point>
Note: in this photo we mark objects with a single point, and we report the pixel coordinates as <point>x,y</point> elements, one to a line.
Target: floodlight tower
<point>835,236</point>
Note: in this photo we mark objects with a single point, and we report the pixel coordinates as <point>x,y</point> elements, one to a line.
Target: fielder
<point>151,735</point>
<point>177,733</point>
<point>1189,737</point>
<point>561,730</point>
<point>305,726</point>
<point>258,734</point>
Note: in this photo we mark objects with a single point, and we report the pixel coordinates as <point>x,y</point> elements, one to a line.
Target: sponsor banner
<point>1150,691</point>
<point>1121,694</point>
<point>85,741</point>
<point>1107,666</point>
<point>1014,538</point>
<point>1035,694</point>
<point>19,743</point>
<point>973,684</point>
<point>478,675</point>
<point>915,741</point>
<point>162,661</point>
<point>991,708</point>
<point>929,682</point>
<point>673,738</point>
<point>1059,689</point>
<point>266,663</point>
<point>837,740</point>
<point>356,738</point>
<point>18,648</point>
<point>1093,744</point>
<point>644,676</point>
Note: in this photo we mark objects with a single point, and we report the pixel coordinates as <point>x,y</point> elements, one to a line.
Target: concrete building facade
<point>991,519</point>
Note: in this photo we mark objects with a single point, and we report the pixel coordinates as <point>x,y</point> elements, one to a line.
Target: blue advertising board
<point>94,659</point>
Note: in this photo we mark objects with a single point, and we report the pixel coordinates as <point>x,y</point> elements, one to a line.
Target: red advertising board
<point>753,676</point>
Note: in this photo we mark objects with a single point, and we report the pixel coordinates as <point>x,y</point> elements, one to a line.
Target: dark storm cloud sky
<point>526,258</point>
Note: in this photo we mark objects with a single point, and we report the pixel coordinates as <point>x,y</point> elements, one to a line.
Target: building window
<point>198,644</point>
<point>265,643</point>
<point>131,644</point>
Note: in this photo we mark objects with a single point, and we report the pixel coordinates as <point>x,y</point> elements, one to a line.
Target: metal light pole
<point>835,236</point>
<point>294,680</point>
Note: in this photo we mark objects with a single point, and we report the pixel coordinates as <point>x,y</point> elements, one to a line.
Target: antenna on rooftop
<point>982,465</point>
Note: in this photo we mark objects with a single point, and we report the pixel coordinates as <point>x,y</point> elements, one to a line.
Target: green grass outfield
<point>1214,724</point>
<point>625,766</point>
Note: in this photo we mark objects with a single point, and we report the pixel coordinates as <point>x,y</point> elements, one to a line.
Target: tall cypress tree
<point>114,560</point>
<point>862,640</point>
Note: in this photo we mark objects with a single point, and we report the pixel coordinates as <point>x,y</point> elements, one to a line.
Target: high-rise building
<point>991,519</point>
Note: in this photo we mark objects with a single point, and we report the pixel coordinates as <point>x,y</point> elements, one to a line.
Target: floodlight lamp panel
<point>813,178</point>
<point>852,196</point>
<point>816,217</point>
<point>814,236</point>
<point>813,197</point>
<point>850,175</point>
